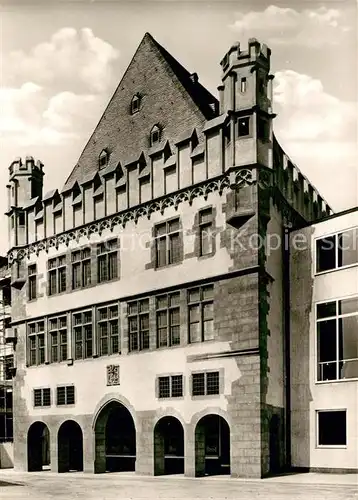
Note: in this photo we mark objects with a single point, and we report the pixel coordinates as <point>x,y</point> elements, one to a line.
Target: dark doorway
<point>275,465</point>
<point>212,446</point>
<point>168,447</point>
<point>70,447</point>
<point>115,439</point>
<point>38,447</point>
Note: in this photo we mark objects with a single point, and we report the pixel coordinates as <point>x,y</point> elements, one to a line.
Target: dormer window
<point>135,104</point>
<point>154,135</point>
<point>103,159</point>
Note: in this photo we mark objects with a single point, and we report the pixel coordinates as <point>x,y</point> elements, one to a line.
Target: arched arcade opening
<point>70,447</point>
<point>168,446</point>
<point>115,439</point>
<point>38,447</point>
<point>212,446</point>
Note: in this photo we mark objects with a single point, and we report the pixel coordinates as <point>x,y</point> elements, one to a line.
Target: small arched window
<point>154,135</point>
<point>135,104</point>
<point>103,159</point>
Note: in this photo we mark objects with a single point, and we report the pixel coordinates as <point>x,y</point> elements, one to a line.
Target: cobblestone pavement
<point>48,486</point>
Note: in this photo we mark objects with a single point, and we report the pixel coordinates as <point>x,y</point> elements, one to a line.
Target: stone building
<point>148,309</point>
<point>6,367</point>
<point>324,344</point>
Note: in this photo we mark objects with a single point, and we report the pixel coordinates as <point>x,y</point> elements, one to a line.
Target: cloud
<point>73,60</point>
<point>307,112</point>
<point>278,25</point>
<point>29,117</point>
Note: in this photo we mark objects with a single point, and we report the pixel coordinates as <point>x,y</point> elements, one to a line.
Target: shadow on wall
<point>6,455</point>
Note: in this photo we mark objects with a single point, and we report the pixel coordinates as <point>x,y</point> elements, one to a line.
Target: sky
<point>60,62</point>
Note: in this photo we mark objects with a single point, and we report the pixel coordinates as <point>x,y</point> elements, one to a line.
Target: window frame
<point>169,325</point>
<point>204,225</point>
<point>32,281</point>
<point>139,331</point>
<point>83,325</point>
<point>105,252</point>
<point>168,238</point>
<point>337,317</point>
<point>83,259</point>
<point>249,125</point>
<point>330,446</point>
<point>38,348</point>
<point>201,303</point>
<point>109,320</point>
<point>205,373</point>
<point>170,378</point>
<point>66,387</point>
<point>335,234</point>
<point>57,271</point>
<point>59,330</point>
<point>42,389</point>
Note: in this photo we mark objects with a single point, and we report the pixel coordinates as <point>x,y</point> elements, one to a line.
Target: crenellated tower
<point>246,96</point>
<point>25,184</point>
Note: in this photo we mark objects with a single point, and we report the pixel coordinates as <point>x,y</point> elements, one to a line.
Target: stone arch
<point>70,447</point>
<point>115,438</point>
<point>212,445</point>
<point>38,447</point>
<point>168,446</point>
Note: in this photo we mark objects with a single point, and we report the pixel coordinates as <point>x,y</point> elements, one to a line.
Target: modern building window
<point>168,319</point>
<point>337,250</point>
<point>243,126</point>
<point>205,384</point>
<point>201,313</point>
<point>36,339</point>
<point>8,366</point>
<point>135,104</point>
<point>6,414</point>
<point>65,395</point>
<point>107,260</point>
<point>138,324</point>
<point>154,135</point>
<point>57,328</point>
<point>108,330</point>
<point>81,268</point>
<point>57,275</point>
<point>337,339</point>
<point>32,281</point>
<point>167,242</point>
<point>206,231</point>
<point>42,397</point>
<point>332,428</point>
<point>243,85</point>
<point>103,159</point>
<point>170,386</point>
<point>83,334</point>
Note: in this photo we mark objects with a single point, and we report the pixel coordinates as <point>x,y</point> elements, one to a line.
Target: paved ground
<point>49,486</point>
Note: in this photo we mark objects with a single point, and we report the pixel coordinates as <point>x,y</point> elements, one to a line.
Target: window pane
<point>208,311</point>
<point>133,341</point>
<point>132,308</point>
<point>174,299</point>
<point>162,302</point>
<point>348,306</point>
<point>198,384</point>
<point>348,347</point>
<point>212,383</point>
<point>194,333</point>
<point>144,305</point>
<point>102,268</point>
<point>112,266</point>
<point>162,337</point>
<point>194,314</point>
<point>173,225</point>
<point>206,240</point>
<point>174,248</point>
<point>348,247</point>
<point>208,292</point>
<point>326,309</point>
<point>164,387</point>
<point>133,324</point>
<point>206,216</point>
<point>177,386</point>
<point>160,230</point>
<point>161,251</point>
<point>162,319</point>
<point>194,295</point>
<point>327,350</point>
<point>243,126</point>
<point>144,339</point>
<point>332,428</point>
<point>326,253</point>
<point>76,275</point>
<point>208,327</point>
<point>175,335</point>
<point>144,322</point>
<point>86,279</point>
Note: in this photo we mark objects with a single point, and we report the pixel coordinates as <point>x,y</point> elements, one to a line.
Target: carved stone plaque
<point>113,375</point>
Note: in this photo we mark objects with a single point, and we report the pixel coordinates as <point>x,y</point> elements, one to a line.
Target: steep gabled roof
<point>171,96</point>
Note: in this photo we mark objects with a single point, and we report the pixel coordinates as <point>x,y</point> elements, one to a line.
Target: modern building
<point>324,344</point>
<point>6,367</point>
<point>149,295</point>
